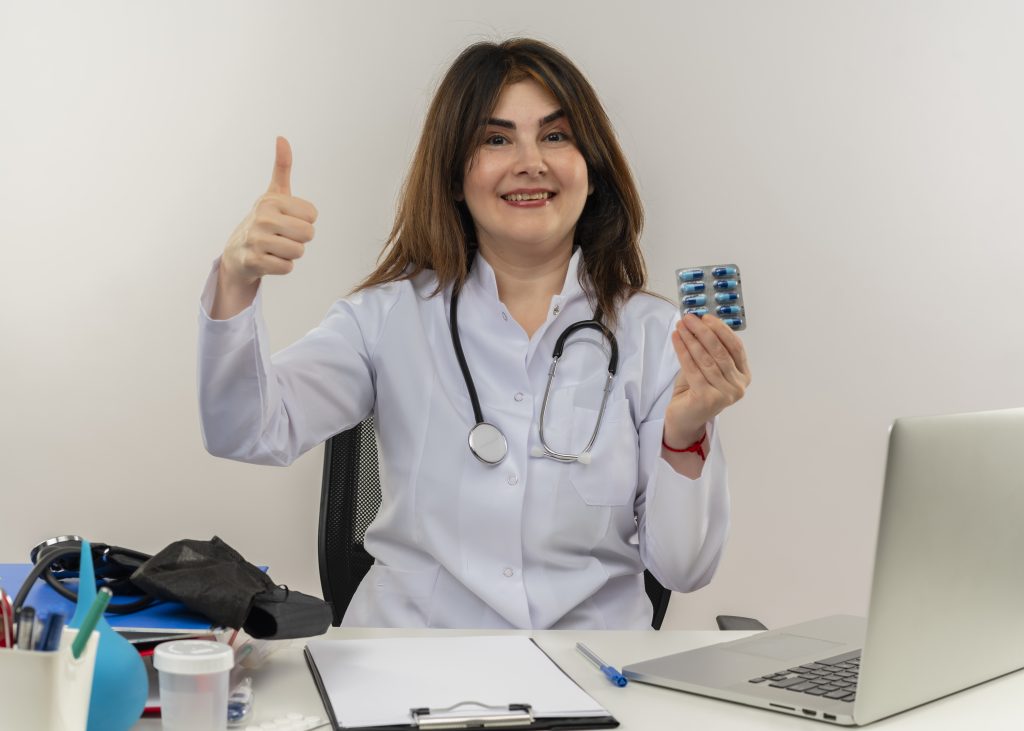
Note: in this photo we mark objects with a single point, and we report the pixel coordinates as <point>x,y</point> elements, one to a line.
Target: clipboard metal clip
<point>472,714</point>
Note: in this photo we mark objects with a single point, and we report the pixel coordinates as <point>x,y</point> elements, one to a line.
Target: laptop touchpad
<point>783,646</point>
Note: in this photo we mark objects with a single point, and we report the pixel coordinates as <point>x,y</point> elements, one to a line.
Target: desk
<point>284,685</point>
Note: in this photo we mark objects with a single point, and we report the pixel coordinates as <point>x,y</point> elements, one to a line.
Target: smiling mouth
<point>519,197</point>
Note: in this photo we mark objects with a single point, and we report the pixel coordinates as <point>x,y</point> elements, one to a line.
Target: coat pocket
<point>611,477</point>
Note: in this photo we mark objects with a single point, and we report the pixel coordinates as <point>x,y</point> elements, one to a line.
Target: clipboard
<point>399,684</point>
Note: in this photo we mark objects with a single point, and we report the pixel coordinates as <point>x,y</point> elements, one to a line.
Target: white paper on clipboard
<point>375,682</point>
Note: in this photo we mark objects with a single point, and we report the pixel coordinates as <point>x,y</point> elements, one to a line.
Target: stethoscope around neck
<point>486,441</point>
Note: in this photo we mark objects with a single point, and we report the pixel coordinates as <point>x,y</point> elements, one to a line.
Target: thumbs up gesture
<point>269,239</point>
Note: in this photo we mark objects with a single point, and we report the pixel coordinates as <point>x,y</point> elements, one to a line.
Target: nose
<point>530,160</point>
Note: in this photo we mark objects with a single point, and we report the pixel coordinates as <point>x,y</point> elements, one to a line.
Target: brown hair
<point>433,230</point>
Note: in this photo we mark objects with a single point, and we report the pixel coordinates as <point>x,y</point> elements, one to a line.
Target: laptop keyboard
<point>833,677</point>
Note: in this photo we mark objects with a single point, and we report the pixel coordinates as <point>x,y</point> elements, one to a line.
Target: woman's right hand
<point>267,241</point>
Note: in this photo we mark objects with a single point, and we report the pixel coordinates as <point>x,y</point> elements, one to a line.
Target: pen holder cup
<point>47,691</point>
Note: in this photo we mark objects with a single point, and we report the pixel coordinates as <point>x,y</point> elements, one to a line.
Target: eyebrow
<point>509,124</point>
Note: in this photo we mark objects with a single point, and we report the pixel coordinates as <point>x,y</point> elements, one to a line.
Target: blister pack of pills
<point>291,722</point>
<point>713,290</point>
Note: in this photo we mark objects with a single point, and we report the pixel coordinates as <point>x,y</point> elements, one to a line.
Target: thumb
<point>281,180</point>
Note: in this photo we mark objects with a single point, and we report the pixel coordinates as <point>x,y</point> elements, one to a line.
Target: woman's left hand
<point>713,374</point>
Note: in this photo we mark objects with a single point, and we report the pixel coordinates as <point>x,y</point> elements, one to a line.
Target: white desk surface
<point>284,685</point>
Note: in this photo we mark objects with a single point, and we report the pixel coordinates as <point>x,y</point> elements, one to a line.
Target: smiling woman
<point>526,185</point>
<point>478,108</point>
<point>516,236</point>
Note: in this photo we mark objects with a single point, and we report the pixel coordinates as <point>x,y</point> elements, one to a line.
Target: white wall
<point>862,162</point>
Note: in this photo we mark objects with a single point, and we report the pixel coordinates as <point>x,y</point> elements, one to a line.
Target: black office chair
<point>349,500</point>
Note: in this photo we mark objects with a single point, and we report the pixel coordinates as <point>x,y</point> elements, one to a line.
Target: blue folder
<point>160,617</point>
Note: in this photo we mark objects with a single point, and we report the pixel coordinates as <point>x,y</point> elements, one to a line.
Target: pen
<point>613,675</point>
<point>26,629</point>
<point>92,616</point>
<point>49,639</point>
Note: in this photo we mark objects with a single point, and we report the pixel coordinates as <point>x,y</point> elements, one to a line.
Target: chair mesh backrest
<point>349,501</point>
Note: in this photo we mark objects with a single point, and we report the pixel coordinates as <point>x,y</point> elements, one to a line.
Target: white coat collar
<point>481,278</point>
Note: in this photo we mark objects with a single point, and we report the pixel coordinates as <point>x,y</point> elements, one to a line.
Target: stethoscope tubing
<point>560,456</point>
<point>486,434</point>
<point>453,317</point>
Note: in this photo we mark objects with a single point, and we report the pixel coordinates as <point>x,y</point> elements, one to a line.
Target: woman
<point>518,219</point>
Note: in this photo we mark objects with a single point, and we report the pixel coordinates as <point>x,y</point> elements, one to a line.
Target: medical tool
<point>486,441</point>
<point>56,562</point>
<point>613,363</point>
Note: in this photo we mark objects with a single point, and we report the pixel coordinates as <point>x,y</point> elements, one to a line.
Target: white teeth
<point>527,196</point>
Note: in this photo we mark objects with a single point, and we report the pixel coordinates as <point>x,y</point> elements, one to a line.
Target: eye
<point>557,137</point>
<point>496,140</point>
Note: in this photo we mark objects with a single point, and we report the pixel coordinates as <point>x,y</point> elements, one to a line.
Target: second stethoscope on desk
<point>486,441</point>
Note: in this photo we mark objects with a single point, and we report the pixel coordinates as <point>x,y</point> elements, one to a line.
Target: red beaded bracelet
<point>695,447</point>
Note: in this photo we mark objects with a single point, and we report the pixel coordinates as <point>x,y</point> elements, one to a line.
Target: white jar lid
<point>193,657</point>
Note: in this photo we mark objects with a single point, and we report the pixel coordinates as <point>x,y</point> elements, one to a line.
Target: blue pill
<point>692,287</point>
<point>725,284</point>
<point>691,275</point>
<point>734,322</point>
<point>729,310</point>
<point>726,297</point>
<point>695,300</point>
<point>724,272</point>
<point>698,311</point>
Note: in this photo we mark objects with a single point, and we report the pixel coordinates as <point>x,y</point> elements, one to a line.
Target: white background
<point>861,161</point>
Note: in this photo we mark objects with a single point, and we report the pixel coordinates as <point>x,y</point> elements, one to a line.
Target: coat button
<point>518,396</point>
<point>513,478</point>
<point>508,572</point>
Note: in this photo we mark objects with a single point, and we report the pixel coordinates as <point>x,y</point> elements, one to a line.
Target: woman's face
<point>526,185</point>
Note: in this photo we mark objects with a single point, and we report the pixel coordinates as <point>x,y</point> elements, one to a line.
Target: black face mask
<point>211,578</point>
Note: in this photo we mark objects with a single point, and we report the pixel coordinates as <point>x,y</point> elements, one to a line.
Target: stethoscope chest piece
<point>487,443</point>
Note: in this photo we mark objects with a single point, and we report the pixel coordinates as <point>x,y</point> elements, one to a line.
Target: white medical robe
<point>529,543</point>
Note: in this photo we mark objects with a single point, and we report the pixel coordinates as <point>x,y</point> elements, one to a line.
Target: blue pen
<point>613,675</point>
<point>52,628</point>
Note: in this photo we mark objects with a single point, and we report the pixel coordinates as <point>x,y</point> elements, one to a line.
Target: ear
<point>590,189</point>
<point>458,194</point>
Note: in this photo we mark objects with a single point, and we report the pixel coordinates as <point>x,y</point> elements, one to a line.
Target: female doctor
<point>514,496</point>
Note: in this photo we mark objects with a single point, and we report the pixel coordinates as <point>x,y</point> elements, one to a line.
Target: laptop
<point>947,595</point>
